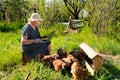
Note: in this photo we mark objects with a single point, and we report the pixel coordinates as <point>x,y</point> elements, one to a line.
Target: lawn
<point>11,67</point>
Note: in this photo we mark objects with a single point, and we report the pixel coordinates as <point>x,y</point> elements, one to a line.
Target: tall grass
<point>10,26</point>
<point>10,53</point>
<point>38,72</point>
<point>9,49</point>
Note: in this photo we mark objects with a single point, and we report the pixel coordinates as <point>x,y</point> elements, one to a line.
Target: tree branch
<point>65,1</point>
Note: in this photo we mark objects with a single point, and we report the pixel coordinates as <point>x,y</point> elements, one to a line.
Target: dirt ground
<point>114,59</point>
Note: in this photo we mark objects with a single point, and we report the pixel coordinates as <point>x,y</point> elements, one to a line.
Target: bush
<point>11,26</point>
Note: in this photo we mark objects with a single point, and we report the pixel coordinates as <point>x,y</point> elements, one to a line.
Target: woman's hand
<point>37,40</point>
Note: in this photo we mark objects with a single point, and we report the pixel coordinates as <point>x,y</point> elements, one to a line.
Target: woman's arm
<point>25,41</point>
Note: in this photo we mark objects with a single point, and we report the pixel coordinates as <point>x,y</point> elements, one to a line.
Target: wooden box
<point>94,56</point>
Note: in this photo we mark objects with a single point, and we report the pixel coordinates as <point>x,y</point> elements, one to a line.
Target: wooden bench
<point>96,59</point>
<point>73,25</point>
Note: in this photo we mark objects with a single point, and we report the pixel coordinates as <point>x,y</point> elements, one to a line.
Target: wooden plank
<point>27,76</point>
<point>97,62</point>
<point>90,69</point>
<point>88,50</point>
<point>76,20</point>
<point>65,23</point>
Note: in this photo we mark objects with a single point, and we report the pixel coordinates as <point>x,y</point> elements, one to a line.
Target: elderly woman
<point>32,44</point>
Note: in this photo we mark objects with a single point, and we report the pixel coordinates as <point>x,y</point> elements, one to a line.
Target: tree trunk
<point>76,16</point>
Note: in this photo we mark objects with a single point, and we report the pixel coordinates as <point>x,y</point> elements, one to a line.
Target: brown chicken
<point>78,72</point>
<point>48,59</point>
<point>59,64</point>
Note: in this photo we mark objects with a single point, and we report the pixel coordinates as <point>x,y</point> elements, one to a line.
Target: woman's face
<point>36,23</point>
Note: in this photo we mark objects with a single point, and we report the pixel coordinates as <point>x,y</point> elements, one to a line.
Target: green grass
<point>10,44</point>
<point>10,54</point>
<point>38,71</point>
<point>10,26</point>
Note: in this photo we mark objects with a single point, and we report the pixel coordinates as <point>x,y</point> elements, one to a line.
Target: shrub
<point>11,26</point>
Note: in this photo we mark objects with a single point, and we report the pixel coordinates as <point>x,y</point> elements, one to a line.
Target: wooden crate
<point>94,56</point>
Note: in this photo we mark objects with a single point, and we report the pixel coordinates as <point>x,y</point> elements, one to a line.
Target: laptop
<point>50,36</point>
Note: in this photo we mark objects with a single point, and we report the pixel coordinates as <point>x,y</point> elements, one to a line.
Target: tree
<point>12,10</point>
<point>75,6</point>
<point>102,14</point>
